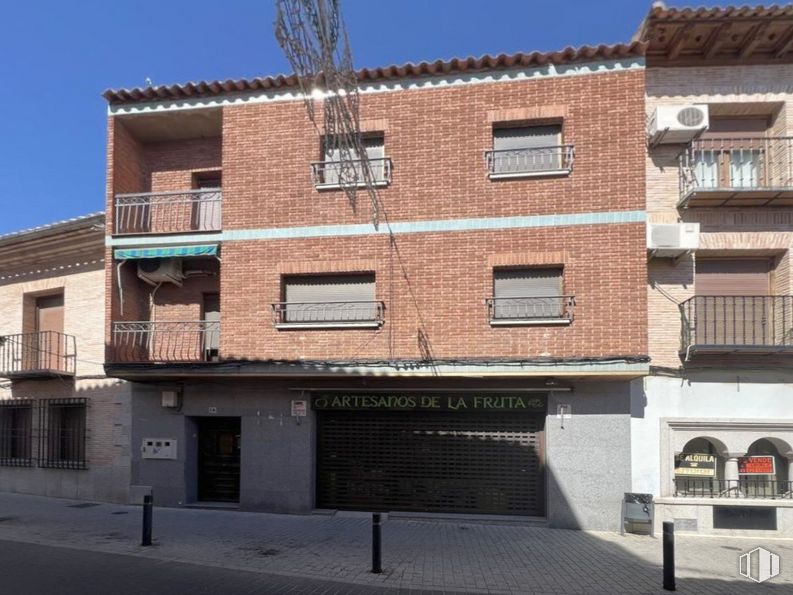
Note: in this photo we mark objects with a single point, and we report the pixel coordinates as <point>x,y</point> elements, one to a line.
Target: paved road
<point>30,569</point>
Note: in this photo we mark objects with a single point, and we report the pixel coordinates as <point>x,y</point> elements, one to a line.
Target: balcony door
<point>732,307</point>
<point>733,153</point>
<point>211,317</point>
<point>49,329</point>
<point>206,215</point>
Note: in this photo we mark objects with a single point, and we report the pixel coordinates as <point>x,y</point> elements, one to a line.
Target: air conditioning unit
<point>672,239</point>
<point>672,124</point>
<point>161,270</point>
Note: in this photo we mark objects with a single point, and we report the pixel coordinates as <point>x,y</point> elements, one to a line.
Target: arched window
<point>698,469</point>
<point>763,472</point>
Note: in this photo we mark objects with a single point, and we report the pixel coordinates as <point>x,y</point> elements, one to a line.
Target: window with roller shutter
<point>529,295</point>
<point>528,150</point>
<point>331,171</point>
<point>329,300</point>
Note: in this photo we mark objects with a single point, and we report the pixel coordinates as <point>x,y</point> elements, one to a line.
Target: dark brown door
<point>49,329</point>
<point>219,459</point>
<point>489,463</point>
<point>206,210</point>
<point>732,303</point>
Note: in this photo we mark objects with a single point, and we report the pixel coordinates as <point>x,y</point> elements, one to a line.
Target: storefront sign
<point>760,465</point>
<point>696,464</point>
<point>430,402</point>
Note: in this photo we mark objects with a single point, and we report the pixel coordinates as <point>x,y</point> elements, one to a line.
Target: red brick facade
<point>436,139</point>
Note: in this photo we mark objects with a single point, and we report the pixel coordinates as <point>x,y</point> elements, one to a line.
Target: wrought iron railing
<point>165,341</point>
<point>168,212</point>
<point>555,308</point>
<point>733,488</point>
<point>737,163</point>
<point>734,322</point>
<point>332,174</point>
<point>43,353</point>
<point>355,313</point>
<point>536,160</point>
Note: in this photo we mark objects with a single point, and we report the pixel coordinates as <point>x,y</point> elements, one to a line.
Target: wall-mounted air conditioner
<point>161,270</point>
<point>668,240</point>
<point>671,124</point>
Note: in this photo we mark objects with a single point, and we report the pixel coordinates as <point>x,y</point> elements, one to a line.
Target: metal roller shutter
<point>511,287</point>
<point>488,463</point>
<point>321,298</point>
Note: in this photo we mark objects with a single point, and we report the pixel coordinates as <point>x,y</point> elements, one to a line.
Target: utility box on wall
<point>158,448</point>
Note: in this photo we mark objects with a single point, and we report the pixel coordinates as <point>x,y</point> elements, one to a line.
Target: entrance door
<point>488,463</point>
<point>49,326</point>
<point>219,459</point>
<point>206,215</point>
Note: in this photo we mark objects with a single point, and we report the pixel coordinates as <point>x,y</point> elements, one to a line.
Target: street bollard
<point>669,556</point>
<point>377,560</point>
<point>148,506</point>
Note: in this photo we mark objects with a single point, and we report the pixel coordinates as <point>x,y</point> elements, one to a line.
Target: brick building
<point>64,426</point>
<point>474,354</point>
<point>714,440</point>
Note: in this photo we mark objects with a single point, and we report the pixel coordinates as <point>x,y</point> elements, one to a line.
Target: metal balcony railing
<point>737,172</point>
<point>165,341</point>
<point>41,354</point>
<point>335,174</point>
<point>733,488</point>
<point>311,314</point>
<point>535,161</point>
<point>168,212</point>
<point>737,323</point>
<point>555,309</point>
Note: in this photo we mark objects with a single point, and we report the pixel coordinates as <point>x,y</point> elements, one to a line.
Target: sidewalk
<point>431,555</point>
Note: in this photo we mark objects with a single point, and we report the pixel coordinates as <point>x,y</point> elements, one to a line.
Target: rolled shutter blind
<point>330,298</point>
<point>542,144</point>
<point>731,308</point>
<point>517,292</point>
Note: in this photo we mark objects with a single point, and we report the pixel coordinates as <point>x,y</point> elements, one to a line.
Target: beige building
<point>719,104</point>
<point>64,428</point>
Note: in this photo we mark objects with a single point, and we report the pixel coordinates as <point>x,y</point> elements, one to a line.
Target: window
<point>62,433</point>
<point>329,300</point>
<point>732,153</point>
<point>529,296</point>
<point>16,419</point>
<point>331,173</point>
<point>529,150</point>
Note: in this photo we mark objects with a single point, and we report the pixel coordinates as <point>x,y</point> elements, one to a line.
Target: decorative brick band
<point>527,259</point>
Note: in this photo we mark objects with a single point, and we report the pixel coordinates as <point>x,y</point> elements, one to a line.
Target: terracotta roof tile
<point>438,67</point>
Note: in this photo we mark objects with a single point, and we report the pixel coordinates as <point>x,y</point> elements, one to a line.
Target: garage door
<point>489,463</point>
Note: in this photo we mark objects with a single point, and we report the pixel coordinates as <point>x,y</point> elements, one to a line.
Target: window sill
<point>553,173</point>
<point>377,184</point>
<point>373,324</point>
<point>530,322</point>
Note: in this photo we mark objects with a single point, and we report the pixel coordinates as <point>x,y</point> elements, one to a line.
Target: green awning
<point>169,252</point>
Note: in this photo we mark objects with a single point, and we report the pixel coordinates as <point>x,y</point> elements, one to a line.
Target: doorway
<point>218,459</point>
<point>49,350</point>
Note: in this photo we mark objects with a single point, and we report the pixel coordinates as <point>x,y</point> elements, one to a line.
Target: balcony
<point>168,212</point>
<point>527,311</point>
<point>737,172</point>
<point>737,324</point>
<point>758,487</point>
<point>44,354</point>
<point>165,342</point>
<point>532,162</point>
<point>337,174</point>
<point>308,315</point>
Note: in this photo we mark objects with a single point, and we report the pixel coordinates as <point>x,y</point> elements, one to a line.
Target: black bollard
<point>148,505</point>
<point>377,552</point>
<point>669,556</point>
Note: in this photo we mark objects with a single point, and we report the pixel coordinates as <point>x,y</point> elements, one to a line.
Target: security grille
<point>431,462</point>
<point>62,433</point>
<point>16,424</point>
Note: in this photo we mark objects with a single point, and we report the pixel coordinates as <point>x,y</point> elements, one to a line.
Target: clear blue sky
<point>57,57</point>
